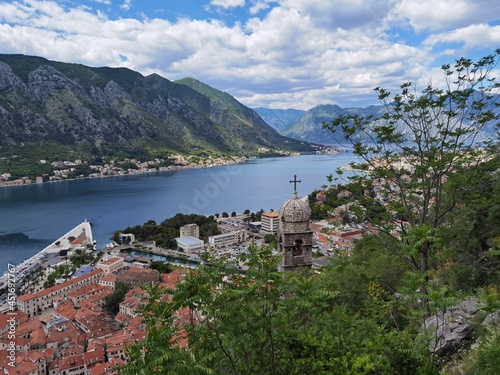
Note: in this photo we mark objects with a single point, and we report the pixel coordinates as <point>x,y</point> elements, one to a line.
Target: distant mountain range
<point>279,119</point>
<point>109,110</point>
<point>307,125</point>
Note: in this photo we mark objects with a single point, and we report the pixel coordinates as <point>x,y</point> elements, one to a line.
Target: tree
<point>160,266</point>
<point>266,322</point>
<point>422,138</point>
<point>270,238</point>
<point>112,301</point>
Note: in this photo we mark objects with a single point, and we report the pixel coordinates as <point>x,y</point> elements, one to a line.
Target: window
<point>297,249</point>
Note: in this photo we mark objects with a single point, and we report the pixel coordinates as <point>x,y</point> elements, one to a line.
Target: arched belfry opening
<point>294,234</point>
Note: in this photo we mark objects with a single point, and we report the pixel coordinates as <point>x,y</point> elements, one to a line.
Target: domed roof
<point>295,210</point>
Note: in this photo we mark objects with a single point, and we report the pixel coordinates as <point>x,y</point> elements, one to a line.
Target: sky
<point>274,54</point>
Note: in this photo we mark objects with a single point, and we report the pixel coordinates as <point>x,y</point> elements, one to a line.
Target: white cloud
<point>346,14</point>
<point>227,3</point>
<point>434,15</point>
<point>470,37</point>
<point>259,5</point>
<point>297,54</point>
<point>127,4</point>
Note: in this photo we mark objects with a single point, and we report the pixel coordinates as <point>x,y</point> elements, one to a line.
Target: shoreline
<point>239,159</point>
<point>35,261</point>
<point>139,172</point>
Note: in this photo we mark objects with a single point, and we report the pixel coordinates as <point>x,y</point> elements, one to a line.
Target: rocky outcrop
<point>9,80</point>
<point>46,80</point>
<point>452,329</point>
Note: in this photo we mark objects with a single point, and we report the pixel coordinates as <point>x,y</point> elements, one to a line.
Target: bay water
<point>33,216</point>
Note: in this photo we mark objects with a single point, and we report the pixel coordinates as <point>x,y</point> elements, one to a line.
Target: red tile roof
<point>58,287</point>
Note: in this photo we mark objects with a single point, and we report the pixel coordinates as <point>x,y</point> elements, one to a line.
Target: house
<point>111,265</point>
<point>138,276</point>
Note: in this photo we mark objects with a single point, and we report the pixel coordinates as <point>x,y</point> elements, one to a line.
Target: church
<point>294,235</point>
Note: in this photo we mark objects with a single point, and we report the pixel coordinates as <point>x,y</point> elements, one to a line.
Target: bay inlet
<point>33,216</point>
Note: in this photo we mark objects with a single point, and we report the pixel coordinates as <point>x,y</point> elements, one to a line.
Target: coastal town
<point>67,328</point>
<point>61,170</point>
<point>68,170</point>
<point>55,309</point>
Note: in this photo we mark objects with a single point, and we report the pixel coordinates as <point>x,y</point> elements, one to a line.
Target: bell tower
<point>294,235</point>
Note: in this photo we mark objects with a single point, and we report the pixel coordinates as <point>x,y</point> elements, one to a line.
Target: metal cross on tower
<point>295,182</point>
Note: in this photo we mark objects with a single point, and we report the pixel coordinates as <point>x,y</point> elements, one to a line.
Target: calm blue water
<point>33,216</point>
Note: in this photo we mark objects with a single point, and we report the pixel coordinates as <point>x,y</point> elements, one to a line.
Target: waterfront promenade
<point>80,236</point>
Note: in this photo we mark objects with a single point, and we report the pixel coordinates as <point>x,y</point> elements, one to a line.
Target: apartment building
<point>190,230</point>
<point>111,265</point>
<point>227,239</point>
<point>269,222</point>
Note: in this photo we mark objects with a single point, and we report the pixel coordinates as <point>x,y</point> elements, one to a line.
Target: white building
<point>190,244</point>
<point>126,237</point>
<point>269,222</point>
<point>36,303</point>
<point>190,230</point>
<point>227,239</point>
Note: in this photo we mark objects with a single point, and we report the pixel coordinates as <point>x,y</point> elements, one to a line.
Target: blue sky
<point>275,54</point>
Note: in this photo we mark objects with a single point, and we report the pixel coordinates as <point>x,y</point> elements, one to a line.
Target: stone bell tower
<point>294,235</point>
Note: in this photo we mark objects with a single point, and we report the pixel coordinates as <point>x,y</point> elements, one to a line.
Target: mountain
<point>108,110</point>
<point>279,119</point>
<point>309,126</point>
<point>244,123</point>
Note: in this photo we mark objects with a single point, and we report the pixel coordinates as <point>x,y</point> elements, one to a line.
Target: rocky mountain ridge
<point>105,109</point>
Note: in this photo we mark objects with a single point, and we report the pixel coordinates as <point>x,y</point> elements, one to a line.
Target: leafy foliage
<point>267,322</point>
<point>410,151</point>
<point>112,301</point>
<point>160,266</point>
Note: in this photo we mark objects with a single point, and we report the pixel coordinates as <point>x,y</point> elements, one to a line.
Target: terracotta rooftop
<point>58,287</point>
<point>19,315</point>
<point>70,362</point>
<point>109,278</point>
<point>106,368</point>
<point>88,289</point>
<point>67,310</point>
<point>93,357</point>
<point>24,368</point>
<point>110,261</point>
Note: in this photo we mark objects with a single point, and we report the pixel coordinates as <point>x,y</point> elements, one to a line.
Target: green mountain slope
<point>242,123</point>
<point>117,110</point>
